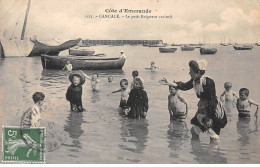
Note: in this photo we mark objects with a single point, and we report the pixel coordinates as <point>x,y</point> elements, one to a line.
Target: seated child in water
<point>74,92</point>
<point>153,67</point>
<point>94,81</point>
<point>138,100</point>
<point>174,99</point>
<point>243,104</point>
<point>68,66</point>
<point>124,96</point>
<point>110,78</point>
<point>32,117</point>
<point>230,95</point>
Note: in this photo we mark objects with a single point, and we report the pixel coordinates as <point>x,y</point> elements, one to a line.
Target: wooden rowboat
<point>187,48</point>
<point>208,50</point>
<point>81,52</point>
<point>82,62</point>
<point>167,50</point>
<point>243,47</point>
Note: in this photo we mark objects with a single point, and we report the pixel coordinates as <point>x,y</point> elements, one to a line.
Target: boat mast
<point>204,39</point>
<point>25,19</point>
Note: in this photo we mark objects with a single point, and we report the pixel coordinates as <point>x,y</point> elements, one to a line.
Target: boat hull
<point>243,47</point>
<point>187,48</point>
<point>208,50</point>
<point>82,63</point>
<point>167,50</point>
<point>27,47</point>
<point>81,52</point>
<point>41,48</point>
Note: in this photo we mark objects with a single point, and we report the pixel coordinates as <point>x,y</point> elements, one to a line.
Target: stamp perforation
<point>23,161</point>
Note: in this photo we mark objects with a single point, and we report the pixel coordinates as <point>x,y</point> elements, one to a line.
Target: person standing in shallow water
<point>74,92</point>
<point>210,116</point>
<point>137,101</point>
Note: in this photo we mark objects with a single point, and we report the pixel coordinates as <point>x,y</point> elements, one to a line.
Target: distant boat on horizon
<point>173,44</point>
<point>167,50</point>
<point>243,47</point>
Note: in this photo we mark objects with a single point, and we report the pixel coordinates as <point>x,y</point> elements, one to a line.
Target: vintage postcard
<point>129,82</point>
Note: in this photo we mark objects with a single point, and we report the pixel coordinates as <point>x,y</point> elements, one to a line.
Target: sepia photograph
<point>129,82</point>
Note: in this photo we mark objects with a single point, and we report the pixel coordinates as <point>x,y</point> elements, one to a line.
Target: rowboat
<point>167,50</point>
<point>82,62</point>
<point>243,47</point>
<point>81,52</point>
<point>187,48</point>
<point>208,50</point>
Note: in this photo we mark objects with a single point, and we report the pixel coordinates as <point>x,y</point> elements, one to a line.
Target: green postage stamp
<point>23,145</point>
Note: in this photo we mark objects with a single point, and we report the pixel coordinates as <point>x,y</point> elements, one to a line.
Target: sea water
<point>101,135</point>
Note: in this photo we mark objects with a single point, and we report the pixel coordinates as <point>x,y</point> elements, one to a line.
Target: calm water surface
<point>102,135</point>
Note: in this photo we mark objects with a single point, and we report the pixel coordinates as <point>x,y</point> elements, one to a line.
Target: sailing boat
<point>224,44</point>
<point>206,50</point>
<point>230,42</point>
<point>29,47</point>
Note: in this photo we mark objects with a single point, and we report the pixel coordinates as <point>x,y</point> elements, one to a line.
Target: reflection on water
<point>153,75</point>
<point>178,134</point>
<point>95,97</point>
<point>207,153</point>
<point>73,127</point>
<point>49,77</point>
<point>109,137</point>
<point>245,133</point>
<point>134,132</point>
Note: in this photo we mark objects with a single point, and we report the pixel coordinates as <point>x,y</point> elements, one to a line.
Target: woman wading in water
<point>210,116</point>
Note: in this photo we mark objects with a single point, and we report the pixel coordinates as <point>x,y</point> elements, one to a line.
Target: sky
<point>235,20</point>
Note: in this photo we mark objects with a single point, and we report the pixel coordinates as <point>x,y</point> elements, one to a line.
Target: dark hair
<point>140,82</point>
<point>38,96</point>
<point>244,90</point>
<point>123,80</point>
<point>195,67</point>
<point>135,73</point>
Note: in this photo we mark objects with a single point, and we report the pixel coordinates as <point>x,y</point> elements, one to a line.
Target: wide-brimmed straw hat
<point>79,74</point>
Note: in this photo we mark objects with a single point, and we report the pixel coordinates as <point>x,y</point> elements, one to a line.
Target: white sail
<point>16,47</point>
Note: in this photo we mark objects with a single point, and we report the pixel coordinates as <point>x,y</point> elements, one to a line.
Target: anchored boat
<point>82,62</point>
<point>187,48</point>
<point>243,47</point>
<point>208,50</point>
<point>167,50</point>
